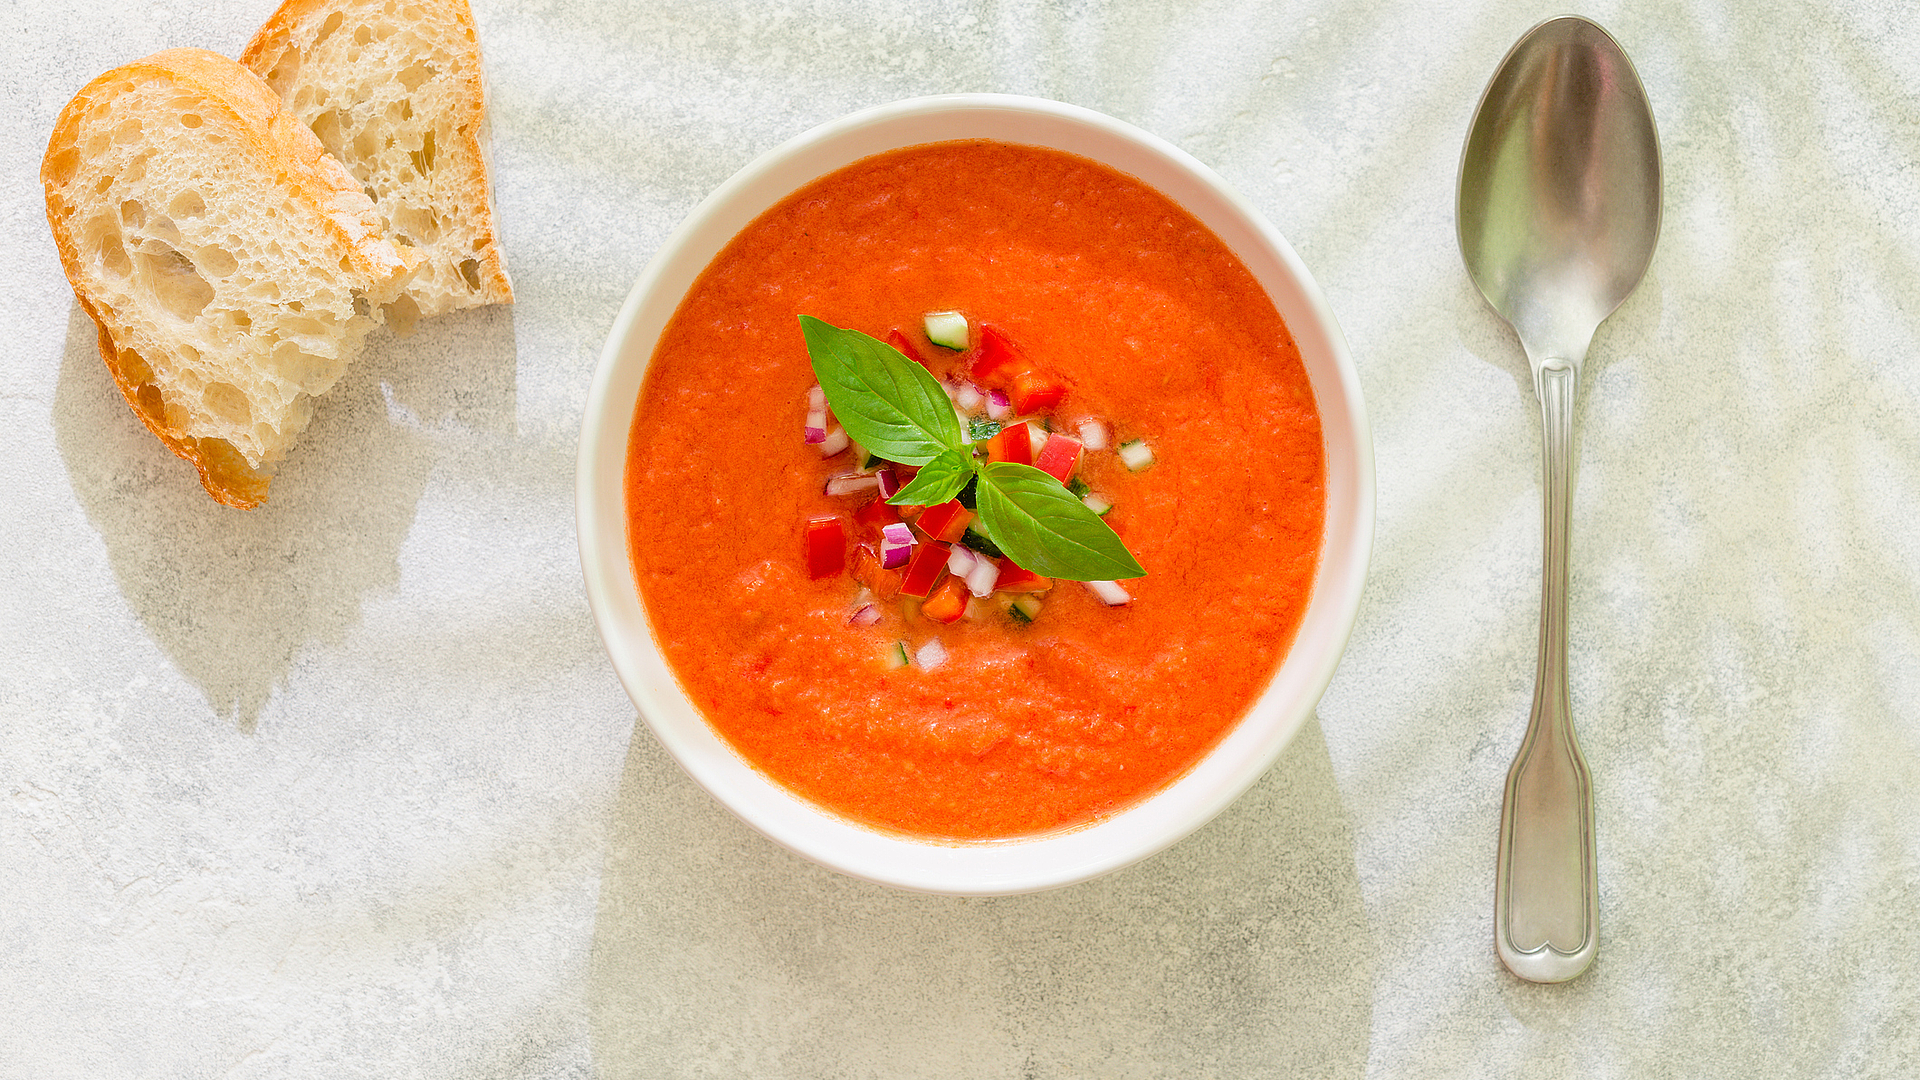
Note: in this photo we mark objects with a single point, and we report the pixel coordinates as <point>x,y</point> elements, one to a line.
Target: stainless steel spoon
<point>1558,213</point>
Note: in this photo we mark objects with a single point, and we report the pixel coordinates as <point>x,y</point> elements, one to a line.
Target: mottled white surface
<point>346,788</point>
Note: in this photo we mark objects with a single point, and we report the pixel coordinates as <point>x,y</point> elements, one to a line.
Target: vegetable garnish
<point>1024,609</point>
<point>939,480</point>
<point>979,430</point>
<point>816,417</point>
<point>887,403</point>
<point>826,547</point>
<point>924,568</point>
<point>931,655</point>
<point>896,545</point>
<point>895,408</point>
<point>1045,529</point>
<point>947,329</point>
<point>1059,457</point>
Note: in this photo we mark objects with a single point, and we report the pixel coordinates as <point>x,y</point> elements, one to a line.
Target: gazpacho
<point>897,663</point>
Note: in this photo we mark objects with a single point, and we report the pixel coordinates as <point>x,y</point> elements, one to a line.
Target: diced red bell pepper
<point>1059,457</point>
<point>882,582</point>
<point>928,563</point>
<point>877,514</point>
<point>997,358</point>
<point>826,547</point>
<point>945,522</point>
<point>1018,579</point>
<point>1013,444</point>
<point>1034,392</point>
<point>948,602</point>
<point>900,341</point>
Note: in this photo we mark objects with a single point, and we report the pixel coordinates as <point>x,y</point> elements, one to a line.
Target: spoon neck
<point>1556,376</point>
<point>1557,381</point>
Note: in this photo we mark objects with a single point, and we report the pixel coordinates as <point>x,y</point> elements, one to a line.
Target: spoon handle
<point>1547,890</point>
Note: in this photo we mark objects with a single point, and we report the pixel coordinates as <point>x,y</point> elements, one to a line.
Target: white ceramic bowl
<point>1049,860</point>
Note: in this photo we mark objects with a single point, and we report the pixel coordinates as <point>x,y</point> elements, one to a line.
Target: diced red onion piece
<point>816,399</point>
<point>889,482</point>
<point>1109,592</point>
<point>896,544</point>
<point>999,405</point>
<point>931,655</point>
<point>1094,434</point>
<point>836,441</point>
<point>981,579</point>
<point>864,615</point>
<point>851,483</point>
<point>967,396</point>
<point>816,427</point>
<point>960,561</point>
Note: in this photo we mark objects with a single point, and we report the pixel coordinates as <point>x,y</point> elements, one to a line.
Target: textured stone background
<point>345,787</point>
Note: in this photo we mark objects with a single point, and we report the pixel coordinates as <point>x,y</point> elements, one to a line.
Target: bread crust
<point>276,146</point>
<point>296,28</point>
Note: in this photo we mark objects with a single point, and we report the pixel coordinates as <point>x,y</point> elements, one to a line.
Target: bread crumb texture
<point>232,266</point>
<point>393,89</point>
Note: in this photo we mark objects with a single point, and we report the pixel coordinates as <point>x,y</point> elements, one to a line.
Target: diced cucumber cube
<point>979,542</point>
<point>1136,455</point>
<point>947,329</point>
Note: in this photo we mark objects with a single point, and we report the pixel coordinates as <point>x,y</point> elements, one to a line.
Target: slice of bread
<point>393,88</point>
<point>232,265</point>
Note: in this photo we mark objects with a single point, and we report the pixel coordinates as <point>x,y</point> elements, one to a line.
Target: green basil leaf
<point>1045,529</point>
<point>939,480</point>
<point>887,403</point>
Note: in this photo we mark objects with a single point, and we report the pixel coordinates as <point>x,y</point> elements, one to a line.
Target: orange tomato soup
<point>1153,325</point>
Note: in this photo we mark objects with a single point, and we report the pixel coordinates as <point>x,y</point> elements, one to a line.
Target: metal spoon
<point>1558,213</point>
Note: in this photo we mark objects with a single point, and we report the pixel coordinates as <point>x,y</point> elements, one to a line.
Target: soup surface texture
<point>1155,328</point>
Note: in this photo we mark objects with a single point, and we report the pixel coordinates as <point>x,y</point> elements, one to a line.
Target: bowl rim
<point>1022,864</point>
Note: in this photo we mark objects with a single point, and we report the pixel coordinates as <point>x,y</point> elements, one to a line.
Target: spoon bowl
<point>1559,211</point>
<point>1559,205</point>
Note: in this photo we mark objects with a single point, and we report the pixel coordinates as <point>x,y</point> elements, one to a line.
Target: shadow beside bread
<point>233,596</point>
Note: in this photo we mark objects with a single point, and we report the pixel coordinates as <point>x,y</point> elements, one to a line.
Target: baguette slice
<point>232,265</point>
<point>393,88</point>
